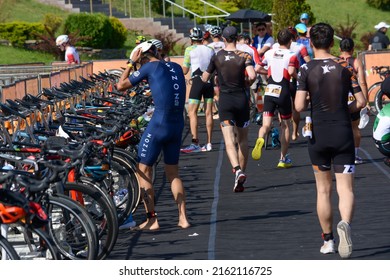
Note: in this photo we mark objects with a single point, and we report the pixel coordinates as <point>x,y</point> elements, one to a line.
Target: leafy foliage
<point>380,4</point>
<point>287,12</point>
<point>169,42</point>
<point>18,32</point>
<point>98,30</point>
<point>47,42</point>
<point>262,5</point>
<point>347,30</point>
<point>118,34</point>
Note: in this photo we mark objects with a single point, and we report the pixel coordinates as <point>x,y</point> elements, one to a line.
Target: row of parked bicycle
<point>68,168</point>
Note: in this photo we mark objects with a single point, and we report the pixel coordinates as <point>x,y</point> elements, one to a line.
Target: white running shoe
<point>345,243</point>
<point>328,247</point>
<point>207,148</point>
<point>239,181</point>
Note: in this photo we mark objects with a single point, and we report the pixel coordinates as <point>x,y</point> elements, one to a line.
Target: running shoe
<point>358,160</point>
<point>286,163</point>
<point>256,153</point>
<point>345,244</point>
<point>191,149</point>
<point>328,247</point>
<point>207,148</point>
<point>239,181</point>
<point>129,223</point>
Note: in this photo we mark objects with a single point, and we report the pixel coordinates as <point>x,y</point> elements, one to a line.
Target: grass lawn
<point>338,12</point>
<point>11,55</point>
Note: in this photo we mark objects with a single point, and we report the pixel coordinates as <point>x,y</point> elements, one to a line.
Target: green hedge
<point>18,32</point>
<point>104,32</point>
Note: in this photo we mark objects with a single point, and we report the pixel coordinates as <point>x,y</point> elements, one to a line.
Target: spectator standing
<point>263,41</point>
<point>326,83</point>
<point>380,41</point>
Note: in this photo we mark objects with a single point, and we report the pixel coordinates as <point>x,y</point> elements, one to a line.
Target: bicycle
<point>380,98</point>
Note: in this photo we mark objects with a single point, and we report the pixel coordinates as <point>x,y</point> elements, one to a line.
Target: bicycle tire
<point>40,246</point>
<point>7,251</point>
<point>372,92</point>
<point>76,226</point>
<point>381,99</point>
<point>124,175</point>
<point>102,210</point>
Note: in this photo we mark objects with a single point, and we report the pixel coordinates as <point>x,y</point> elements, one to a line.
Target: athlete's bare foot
<point>294,136</point>
<point>149,224</point>
<point>184,224</point>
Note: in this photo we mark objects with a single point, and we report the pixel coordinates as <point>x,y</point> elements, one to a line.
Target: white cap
<point>381,25</point>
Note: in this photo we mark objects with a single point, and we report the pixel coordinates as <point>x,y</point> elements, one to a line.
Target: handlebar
<point>383,71</point>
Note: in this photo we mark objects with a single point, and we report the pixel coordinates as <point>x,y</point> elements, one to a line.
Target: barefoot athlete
<point>164,132</point>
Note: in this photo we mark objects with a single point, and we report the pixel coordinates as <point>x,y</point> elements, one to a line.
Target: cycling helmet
<point>157,43</point>
<point>13,206</point>
<point>140,39</point>
<point>216,31</point>
<point>196,34</point>
<point>146,47</point>
<point>301,28</point>
<point>62,39</point>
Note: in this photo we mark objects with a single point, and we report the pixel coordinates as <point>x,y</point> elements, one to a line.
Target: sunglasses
<point>261,29</point>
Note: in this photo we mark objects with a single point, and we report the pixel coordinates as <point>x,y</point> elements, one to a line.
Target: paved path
<point>274,219</point>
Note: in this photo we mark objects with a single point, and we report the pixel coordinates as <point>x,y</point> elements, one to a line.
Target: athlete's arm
<point>185,69</point>
<point>360,102</point>
<point>301,100</point>
<point>71,59</point>
<point>124,81</point>
<point>361,78</point>
<point>205,76</point>
<point>251,74</point>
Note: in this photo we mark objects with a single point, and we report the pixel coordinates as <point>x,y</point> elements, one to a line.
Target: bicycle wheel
<point>126,191</point>
<point>34,244</point>
<point>103,212</point>
<point>7,252</point>
<point>381,99</point>
<point>71,228</point>
<point>372,92</point>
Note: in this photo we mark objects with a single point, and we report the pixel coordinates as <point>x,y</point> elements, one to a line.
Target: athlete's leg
<point>266,127</point>
<point>284,137</point>
<point>344,184</point>
<point>356,135</point>
<point>229,138</point>
<point>296,118</point>
<point>193,105</point>
<point>243,150</point>
<point>177,188</point>
<point>324,203</point>
<point>209,118</point>
<point>144,173</point>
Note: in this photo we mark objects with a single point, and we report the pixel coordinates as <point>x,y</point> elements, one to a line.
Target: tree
<point>262,5</point>
<point>286,13</point>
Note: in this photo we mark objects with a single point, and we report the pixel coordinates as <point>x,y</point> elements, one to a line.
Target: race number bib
<point>273,90</point>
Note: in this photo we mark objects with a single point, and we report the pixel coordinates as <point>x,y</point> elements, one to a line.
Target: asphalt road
<point>273,219</point>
